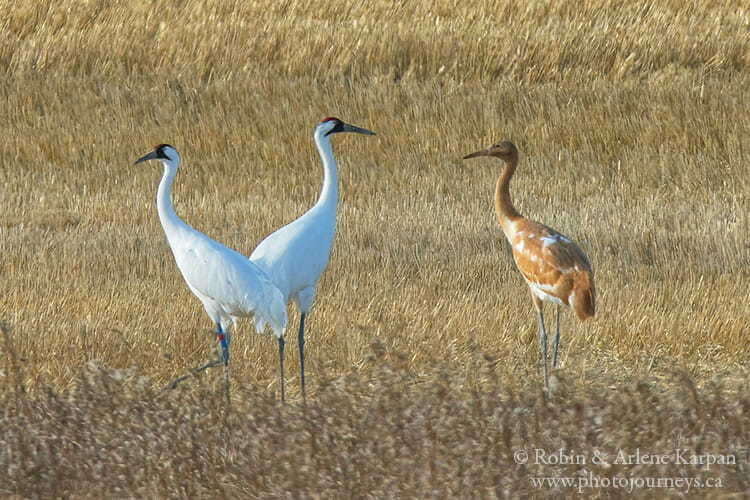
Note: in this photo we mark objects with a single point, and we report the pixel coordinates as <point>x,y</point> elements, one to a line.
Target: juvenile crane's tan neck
<point>507,215</point>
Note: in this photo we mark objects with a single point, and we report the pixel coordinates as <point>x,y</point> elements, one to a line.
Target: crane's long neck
<point>329,193</point>
<point>169,220</point>
<point>506,213</point>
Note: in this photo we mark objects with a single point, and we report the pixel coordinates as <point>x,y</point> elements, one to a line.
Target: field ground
<point>632,122</point>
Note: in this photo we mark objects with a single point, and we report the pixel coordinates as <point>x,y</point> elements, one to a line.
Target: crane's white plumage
<point>226,282</point>
<point>295,255</point>
<point>222,280</point>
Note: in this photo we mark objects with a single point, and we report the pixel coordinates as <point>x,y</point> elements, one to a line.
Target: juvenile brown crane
<point>555,269</point>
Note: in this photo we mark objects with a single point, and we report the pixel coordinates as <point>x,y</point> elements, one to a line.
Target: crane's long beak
<point>150,156</point>
<point>352,128</point>
<point>481,152</point>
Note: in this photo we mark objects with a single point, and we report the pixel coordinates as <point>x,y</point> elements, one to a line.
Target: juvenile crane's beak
<point>481,152</point>
<point>352,128</point>
<point>151,156</point>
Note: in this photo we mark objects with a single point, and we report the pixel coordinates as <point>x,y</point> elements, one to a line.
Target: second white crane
<point>295,255</point>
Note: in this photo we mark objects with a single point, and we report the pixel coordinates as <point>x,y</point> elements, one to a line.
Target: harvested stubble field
<point>632,119</point>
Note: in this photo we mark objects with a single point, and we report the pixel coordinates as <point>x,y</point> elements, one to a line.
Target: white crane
<point>228,284</point>
<point>295,255</point>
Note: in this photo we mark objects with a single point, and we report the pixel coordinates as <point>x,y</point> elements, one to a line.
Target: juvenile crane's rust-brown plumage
<point>555,269</point>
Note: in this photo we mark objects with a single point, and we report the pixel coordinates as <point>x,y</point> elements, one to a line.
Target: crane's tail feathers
<point>277,324</point>
<point>274,312</point>
<point>259,322</point>
<point>584,303</point>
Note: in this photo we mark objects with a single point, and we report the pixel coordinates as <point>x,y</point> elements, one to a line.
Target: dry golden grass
<point>384,437</point>
<point>632,121</point>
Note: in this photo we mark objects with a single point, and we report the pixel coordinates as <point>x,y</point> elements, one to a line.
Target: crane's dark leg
<point>224,356</point>
<point>199,369</point>
<point>281,364</point>
<point>556,341</point>
<point>223,359</point>
<point>301,341</point>
<point>542,340</point>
